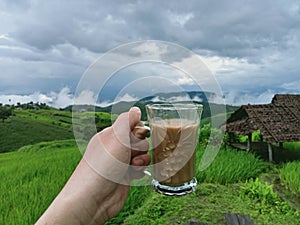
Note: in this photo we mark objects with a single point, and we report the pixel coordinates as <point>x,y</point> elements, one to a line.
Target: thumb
<point>126,122</point>
<point>134,117</point>
<point>124,125</point>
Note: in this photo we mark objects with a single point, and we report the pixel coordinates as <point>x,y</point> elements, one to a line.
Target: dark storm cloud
<point>245,40</point>
<point>234,28</point>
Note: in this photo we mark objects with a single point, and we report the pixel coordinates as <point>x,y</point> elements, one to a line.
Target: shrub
<point>210,135</point>
<point>205,133</point>
<point>267,200</point>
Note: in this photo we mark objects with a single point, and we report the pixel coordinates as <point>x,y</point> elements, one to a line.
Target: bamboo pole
<point>270,152</point>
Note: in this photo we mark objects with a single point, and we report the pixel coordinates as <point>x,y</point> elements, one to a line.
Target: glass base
<point>181,190</point>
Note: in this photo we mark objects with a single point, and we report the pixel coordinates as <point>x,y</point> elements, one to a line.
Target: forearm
<point>83,200</point>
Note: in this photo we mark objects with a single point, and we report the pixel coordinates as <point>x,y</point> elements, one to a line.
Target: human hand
<point>122,148</point>
<point>99,186</point>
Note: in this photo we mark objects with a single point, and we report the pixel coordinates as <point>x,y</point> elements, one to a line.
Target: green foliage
<point>34,126</point>
<point>204,134</point>
<point>22,131</point>
<point>32,106</point>
<point>31,179</point>
<point>51,116</point>
<point>293,146</point>
<point>210,135</point>
<point>136,198</point>
<point>5,112</point>
<point>103,120</point>
<point>209,204</point>
<point>231,166</point>
<point>48,146</point>
<point>88,123</point>
<point>290,175</point>
<point>244,138</point>
<point>267,201</point>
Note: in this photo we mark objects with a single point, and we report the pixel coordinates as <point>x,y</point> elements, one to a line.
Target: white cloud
<point>292,86</point>
<point>126,98</point>
<point>4,36</point>
<point>225,65</point>
<point>123,98</point>
<point>14,99</point>
<point>59,99</point>
<point>86,97</point>
<point>62,99</point>
<point>233,98</point>
<point>179,98</point>
<point>197,99</point>
<point>248,48</point>
<point>180,19</point>
<point>35,97</point>
<point>185,81</point>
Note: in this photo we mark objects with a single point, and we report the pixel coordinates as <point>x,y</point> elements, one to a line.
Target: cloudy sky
<point>251,47</point>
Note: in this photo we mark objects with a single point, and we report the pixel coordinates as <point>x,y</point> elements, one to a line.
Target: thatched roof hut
<point>286,99</point>
<point>278,121</point>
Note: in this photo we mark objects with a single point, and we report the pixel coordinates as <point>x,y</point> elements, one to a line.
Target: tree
<point>5,112</point>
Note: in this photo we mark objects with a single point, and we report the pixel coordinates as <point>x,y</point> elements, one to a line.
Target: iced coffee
<point>174,144</point>
<point>174,135</point>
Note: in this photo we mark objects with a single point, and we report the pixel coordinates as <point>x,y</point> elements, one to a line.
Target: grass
<point>17,132</point>
<point>290,176</point>
<point>33,126</point>
<point>53,116</point>
<point>136,198</point>
<point>209,204</point>
<point>34,175</point>
<point>293,146</point>
<point>231,166</point>
<point>31,179</point>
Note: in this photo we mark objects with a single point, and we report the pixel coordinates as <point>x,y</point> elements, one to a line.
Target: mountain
<point>195,96</point>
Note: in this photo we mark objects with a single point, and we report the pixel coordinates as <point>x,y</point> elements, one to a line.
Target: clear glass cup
<point>174,131</point>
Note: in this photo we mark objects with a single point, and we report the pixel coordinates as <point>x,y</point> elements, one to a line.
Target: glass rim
<point>174,106</point>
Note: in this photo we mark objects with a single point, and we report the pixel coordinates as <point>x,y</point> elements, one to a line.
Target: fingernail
<point>139,162</point>
<point>136,109</point>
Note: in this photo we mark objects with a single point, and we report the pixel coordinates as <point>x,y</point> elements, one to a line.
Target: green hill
<point>33,126</point>
<point>120,107</point>
<point>21,131</point>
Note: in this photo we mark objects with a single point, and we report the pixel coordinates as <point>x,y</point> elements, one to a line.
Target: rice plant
<point>290,175</point>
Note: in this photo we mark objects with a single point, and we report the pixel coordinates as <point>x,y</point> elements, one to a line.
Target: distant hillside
<point>197,97</point>
<point>125,106</point>
<point>33,126</point>
<point>26,128</point>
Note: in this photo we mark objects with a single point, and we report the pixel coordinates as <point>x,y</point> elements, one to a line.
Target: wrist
<point>92,192</point>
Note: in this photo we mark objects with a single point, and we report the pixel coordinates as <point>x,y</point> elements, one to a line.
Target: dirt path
<point>281,190</point>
